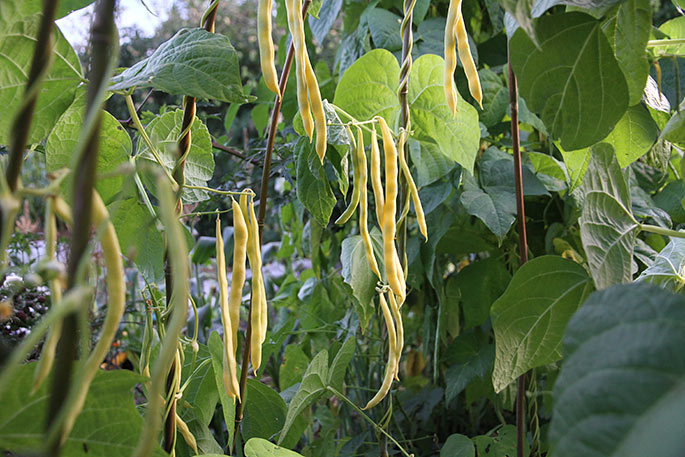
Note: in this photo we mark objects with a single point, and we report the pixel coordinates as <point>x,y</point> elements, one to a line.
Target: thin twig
<point>523,245</point>
<point>263,197</point>
<point>234,152</point>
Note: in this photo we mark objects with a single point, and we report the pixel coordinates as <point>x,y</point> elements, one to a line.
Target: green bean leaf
<point>530,317</point>
<point>621,390</point>
<point>573,80</point>
<point>193,62</point>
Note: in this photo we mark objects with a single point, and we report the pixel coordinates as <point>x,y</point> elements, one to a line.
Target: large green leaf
<point>108,426</point>
<point>530,317</point>
<point>633,135</point>
<point>668,269</point>
<point>627,27</point>
<point>19,22</point>
<point>457,137</point>
<point>621,390</point>
<point>257,447</point>
<point>114,147</point>
<point>369,87</point>
<point>573,81</point>
<point>193,62</point>
<point>607,226</point>
<point>164,132</point>
<point>313,189</point>
<point>264,411</point>
<point>312,387</point>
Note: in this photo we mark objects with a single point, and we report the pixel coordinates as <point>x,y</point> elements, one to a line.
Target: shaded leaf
<point>457,445</point>
<point>313,189</point>
<point>621,389</point>
<point>108,426</point>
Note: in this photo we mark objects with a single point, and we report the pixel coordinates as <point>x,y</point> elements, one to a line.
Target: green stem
<point>657,43</point>
<point>369,420</point>
<point>146,139</point>
<point>661,231</point>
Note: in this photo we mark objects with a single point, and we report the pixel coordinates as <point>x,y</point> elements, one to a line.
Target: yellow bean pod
<point>258,310</point>
<point>414,191</point>
<point>363,205</point>
<point>393,270</point>
<point>391,367</point>
<point>266,45</point>
<point>450,43</point>
<point>229,366</point>
<point>467,60</point>
<point>186,434</point>
<point>317,109</point>
<point>240,237</point>
<point>399,326</point>
<point>296,25</point>
<point>376,183</point>
<point>356,189</point>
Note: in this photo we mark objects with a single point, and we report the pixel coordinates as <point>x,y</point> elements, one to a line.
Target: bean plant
<point>214,277</point>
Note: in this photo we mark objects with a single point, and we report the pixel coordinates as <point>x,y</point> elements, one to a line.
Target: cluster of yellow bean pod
<point>266,45</point>
<point>259,313</point>
<point>456,37</point>
<point>386,214</point>
<point>309,99</point>
<point>230,370</point>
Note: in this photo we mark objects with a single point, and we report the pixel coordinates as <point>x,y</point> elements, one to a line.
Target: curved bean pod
<point>266,45</point>
<point>391,367</point>
<point>467,60</point>
<point>363,206</point>
<point>229,367</point>
<point>376,183</point>
<point>450,43</point>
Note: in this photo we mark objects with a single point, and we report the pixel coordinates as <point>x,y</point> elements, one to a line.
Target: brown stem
<point>523,245</point>
<point>263,197</point>
<point>102,33</point>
